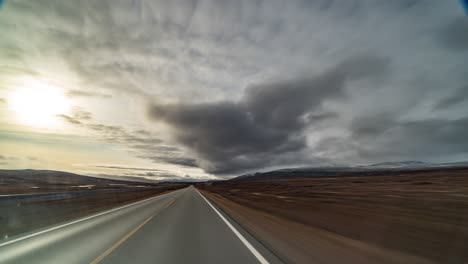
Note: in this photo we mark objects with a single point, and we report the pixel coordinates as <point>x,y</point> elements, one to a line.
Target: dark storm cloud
<point>459,96</point>
<point>317,117</point>
<point>175,159</point>
<point>159,152</point>
<point>231,137</point>
<point>371,126</point>
<point>281,105</point>
<point>455,35</point>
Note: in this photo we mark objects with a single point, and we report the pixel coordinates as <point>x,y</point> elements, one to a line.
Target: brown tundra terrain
<point>388,216</point>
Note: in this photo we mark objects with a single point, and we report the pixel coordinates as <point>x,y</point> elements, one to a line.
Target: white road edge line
<point>80,220</point>
<point>29,194</point>
<point>239,235</point>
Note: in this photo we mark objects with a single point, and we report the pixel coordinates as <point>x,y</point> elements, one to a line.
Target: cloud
<point>4,157</point>
<point>454,36</point>
<point>156,174</point>
<point>459,96</point>
<point>32,158</point>
<point>371,126</point>
<point>79,93</point>
<point>78,116</point>
<point>6,160</point>
<point>229,137</point>
<point>142,172</point>
<point>142,143</point>
<point>280,105</point>
<point>240,86</point>
<point>70,119</point>
<point>118,167</point>
<point>385,137</point>
<point>175,159</point>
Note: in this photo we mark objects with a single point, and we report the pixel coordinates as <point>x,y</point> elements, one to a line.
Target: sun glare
<point>37,104</point>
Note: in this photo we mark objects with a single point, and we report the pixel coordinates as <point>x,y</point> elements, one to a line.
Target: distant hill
<point>401,164</point>
<point>415,164</point>
<point>374,169</point>
<point>49,177</point>
<point>125,178</point>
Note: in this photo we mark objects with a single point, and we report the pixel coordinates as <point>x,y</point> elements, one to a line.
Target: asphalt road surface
<point>178,227</point>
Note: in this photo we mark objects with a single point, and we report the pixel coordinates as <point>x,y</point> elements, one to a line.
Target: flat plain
<point>389,216</point>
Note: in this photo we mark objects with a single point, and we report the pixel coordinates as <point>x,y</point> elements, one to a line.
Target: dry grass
<point>418,214</point>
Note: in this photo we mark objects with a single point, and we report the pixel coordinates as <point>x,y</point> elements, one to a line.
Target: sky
<point>213,89</point>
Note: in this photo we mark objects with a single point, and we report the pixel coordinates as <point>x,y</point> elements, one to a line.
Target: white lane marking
<point>239,235</point>
<point>80,220</point>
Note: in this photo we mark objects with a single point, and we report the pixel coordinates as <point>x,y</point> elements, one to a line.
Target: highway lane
<point>178,227</point>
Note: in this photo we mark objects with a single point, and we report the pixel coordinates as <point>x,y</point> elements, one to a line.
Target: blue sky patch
<point>465,5</point>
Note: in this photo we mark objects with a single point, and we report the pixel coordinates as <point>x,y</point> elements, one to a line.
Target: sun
<point>37,104</point>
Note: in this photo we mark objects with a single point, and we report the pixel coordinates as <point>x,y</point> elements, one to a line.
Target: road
<point>177,227</point>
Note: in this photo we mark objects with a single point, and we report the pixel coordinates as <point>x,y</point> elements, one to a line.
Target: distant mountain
<point>454,164</point>
<point>401,164</point>
<point>414,164</point>
<point>383,168</point>
<point>299,173</point>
